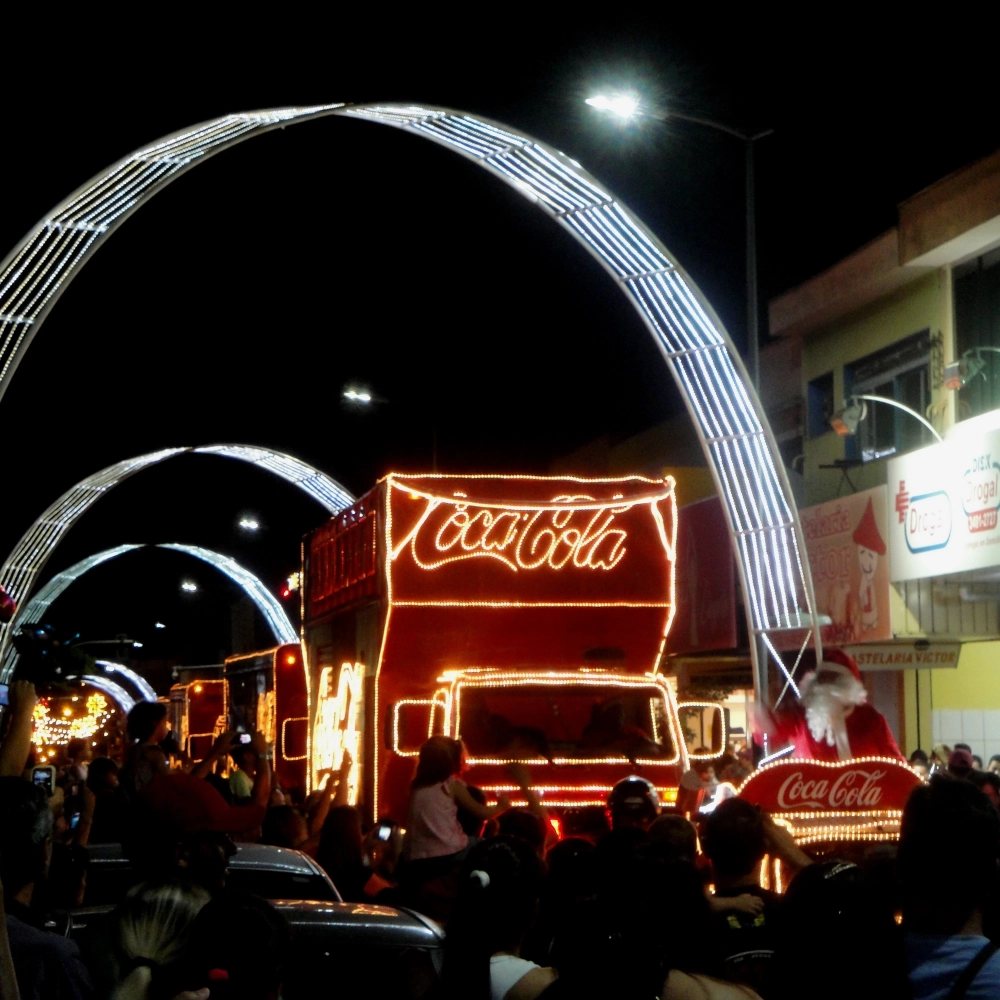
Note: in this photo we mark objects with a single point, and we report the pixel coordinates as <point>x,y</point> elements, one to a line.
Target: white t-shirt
<point>506,971</point>
<point>434,830</point>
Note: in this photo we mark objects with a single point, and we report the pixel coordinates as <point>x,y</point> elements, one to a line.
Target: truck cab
<point>526,615</point>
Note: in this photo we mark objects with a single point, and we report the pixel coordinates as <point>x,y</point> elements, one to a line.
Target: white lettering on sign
<point>928,522</point>
<point>855,789</point>
<point>570,531</point>
<point>981,493</point>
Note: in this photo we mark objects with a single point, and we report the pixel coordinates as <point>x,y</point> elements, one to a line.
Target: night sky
<point>238,303</point>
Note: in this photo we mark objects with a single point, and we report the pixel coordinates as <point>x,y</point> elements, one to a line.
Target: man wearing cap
<point>833,720</point>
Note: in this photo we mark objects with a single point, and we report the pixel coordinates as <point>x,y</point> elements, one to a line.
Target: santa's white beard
<point>827,705</point>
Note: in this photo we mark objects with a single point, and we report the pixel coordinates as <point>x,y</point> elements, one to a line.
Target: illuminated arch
<point>730,423</point>
<point>265,602</point>
<point>31,553</point>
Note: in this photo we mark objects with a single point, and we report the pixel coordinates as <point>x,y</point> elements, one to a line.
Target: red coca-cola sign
<point>815,786</point>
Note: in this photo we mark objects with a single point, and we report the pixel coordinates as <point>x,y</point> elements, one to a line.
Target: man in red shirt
<point>189,804</point>
<point>833,720</point>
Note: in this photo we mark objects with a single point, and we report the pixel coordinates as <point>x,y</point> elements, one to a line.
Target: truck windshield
<point>564,720</point>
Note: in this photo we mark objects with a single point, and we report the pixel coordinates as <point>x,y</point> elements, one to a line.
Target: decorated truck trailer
<point>525,615</point>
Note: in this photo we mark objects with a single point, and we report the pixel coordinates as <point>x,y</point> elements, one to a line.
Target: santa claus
<point>833,720</point>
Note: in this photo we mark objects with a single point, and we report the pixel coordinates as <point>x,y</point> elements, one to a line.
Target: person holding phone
<point>16,746</point>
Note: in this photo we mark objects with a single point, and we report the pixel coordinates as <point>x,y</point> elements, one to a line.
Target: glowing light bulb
<point>623,105</point>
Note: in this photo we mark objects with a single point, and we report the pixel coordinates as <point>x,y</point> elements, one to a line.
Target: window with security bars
<point>900,372</point>
<point>977,326</point>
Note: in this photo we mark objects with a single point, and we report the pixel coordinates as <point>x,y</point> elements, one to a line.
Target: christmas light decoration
<point>56,730</point>
<point>715,707</point>
<point>727,416</point>
<point>28,558</point>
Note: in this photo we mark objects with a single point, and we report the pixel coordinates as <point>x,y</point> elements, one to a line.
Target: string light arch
<point>28,558</point>
<point>265,602</point>
<point>733,430</point>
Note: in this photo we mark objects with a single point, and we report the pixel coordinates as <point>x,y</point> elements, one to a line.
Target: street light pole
<point>629,106</point>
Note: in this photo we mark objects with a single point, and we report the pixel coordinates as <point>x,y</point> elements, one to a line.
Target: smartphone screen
<point>384,831</point>
<point>4,694</point>
<point>244,738</point>
<point>43,776</point>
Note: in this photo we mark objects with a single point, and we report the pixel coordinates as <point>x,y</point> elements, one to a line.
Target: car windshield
<point>564,720</point>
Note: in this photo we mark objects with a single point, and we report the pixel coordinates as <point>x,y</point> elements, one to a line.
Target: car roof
<point>260,857</point>
<point>273,859</point>
<point>390,924</point>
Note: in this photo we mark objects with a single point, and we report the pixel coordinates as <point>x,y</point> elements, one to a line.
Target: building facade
<point>902,530</point>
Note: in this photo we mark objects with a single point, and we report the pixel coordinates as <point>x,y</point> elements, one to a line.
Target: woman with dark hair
<point>498,893</point>
<point>436,794</point>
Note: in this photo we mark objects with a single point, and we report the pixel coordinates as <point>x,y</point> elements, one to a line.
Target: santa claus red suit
<point>833,720</point>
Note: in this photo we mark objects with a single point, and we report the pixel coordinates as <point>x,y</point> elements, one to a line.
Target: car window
<point>280,885</point>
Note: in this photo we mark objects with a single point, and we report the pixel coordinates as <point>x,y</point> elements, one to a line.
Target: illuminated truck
<point>267,692</point>
<point>526,615</point>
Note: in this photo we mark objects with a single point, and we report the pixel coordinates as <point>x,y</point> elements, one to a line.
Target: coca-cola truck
<point>526,615</point>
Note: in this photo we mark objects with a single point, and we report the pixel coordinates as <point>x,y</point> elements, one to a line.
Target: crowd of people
<point>638,901</point>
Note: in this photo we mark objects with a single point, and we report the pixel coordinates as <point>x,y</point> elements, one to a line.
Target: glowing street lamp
<point>628,106</point>
<point>189,587</point>
<point>357,396</point>
<point>624,105</point>
<point>249,524</point>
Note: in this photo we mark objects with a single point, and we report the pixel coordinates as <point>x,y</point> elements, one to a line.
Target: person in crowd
<point>241,948</point>
<point>182,803</point>
<point>288,826</point>
<point>673,838</point>
<point>994,763</point>
<point>988,782</point>
<point>16,747</point>
<point>151,931</point>
<point>616,943</point>
<point>832,719</point>
<point>633,804</point>
<point>498,891</point>
<point>838,904</point>
<point>147,722</point>
<point>939,757</point>
<point>525,825</point>
<point>434,837</point>
<point>47,965</point>
<point>105,805</point>
<point>735,838</point>
<point>473,824</point>
<point>79,753</point>
<point>8,977</point>
<point>241,779</point>
<point>960,763</point>
<point>341,855</point>
<point>920,763</point>
<point>949,849</point>
<point>977,762</point>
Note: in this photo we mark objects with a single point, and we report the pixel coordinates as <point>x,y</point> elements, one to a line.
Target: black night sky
<point>238,303</point>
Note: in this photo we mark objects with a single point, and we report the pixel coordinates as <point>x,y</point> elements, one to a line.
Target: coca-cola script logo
<point>854,789</point>
<point>574,531</point>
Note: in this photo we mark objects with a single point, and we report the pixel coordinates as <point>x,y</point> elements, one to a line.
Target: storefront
<point>909,573</point>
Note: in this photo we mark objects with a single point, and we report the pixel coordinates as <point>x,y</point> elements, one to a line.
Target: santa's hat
<point>837,661</point>
<point>866,533</point>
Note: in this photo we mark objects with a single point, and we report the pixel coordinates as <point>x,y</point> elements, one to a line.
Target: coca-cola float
<point>843,780</point>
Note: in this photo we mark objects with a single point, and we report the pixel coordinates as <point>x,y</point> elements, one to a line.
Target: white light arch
<point>265,602</point>
<point>29,556</point>
<point>730,423</point>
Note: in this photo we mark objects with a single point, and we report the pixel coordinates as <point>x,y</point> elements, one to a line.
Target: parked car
<point>269,872</point>
<point>338,948</point>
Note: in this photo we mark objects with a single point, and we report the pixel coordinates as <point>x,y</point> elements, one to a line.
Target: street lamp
<point>357,396</point>
<point>628,106</point>
<point>960,373</point>
<point>845,422</point>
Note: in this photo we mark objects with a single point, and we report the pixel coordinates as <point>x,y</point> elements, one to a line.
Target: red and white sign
<point>815,786</point>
